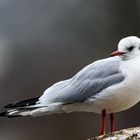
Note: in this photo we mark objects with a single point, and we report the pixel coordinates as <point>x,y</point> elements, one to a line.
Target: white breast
<point>120,96</point>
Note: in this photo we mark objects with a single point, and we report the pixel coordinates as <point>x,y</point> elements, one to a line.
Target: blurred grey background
<point>45,41</point>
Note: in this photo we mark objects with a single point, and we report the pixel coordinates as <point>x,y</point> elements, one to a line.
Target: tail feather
<point>12,113</point>
<point>18,112</point>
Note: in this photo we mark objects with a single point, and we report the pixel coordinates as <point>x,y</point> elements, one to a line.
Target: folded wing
<point>88,82</point>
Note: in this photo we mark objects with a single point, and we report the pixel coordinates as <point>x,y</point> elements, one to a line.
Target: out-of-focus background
<point>45,41</point>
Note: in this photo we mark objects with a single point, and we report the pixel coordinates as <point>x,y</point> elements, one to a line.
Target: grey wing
<point>88,82</point>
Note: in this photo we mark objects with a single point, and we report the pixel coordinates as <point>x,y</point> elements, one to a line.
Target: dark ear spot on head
<point>130,48</point>
<point>139,47</point>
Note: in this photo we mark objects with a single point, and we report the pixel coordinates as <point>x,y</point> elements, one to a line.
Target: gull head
<point>128,48</point>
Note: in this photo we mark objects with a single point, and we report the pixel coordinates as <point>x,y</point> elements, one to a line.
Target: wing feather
<point>88,82</point>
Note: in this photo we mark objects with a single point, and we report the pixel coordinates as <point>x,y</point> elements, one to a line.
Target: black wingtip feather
<point>8,106</point>
<point>14,116</point>
<point>23,103</point>
<point>3,114</point>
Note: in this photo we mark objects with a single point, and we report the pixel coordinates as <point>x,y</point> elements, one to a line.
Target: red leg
<point>103,130</point>
<point>112,122</point>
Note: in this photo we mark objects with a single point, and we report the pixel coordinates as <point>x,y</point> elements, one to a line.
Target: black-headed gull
<point>106,86</point>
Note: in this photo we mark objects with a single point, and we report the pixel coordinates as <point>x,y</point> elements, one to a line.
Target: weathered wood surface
<point>125,134</point>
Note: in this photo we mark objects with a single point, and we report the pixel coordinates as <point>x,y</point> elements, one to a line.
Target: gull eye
<point>130,48</point>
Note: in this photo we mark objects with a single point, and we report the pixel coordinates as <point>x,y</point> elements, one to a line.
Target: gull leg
<point>112,123</point>
<point>103,129</point>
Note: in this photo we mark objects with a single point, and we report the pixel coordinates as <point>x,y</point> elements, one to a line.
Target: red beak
<point>116,53</point>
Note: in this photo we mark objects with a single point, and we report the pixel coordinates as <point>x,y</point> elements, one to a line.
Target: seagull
<point>108,85</point>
